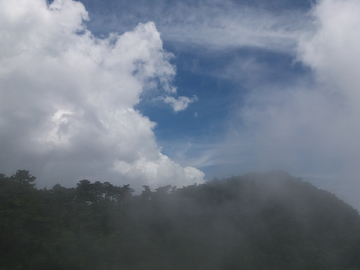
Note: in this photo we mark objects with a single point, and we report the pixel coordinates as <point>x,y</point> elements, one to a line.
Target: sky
<point>179,92</point>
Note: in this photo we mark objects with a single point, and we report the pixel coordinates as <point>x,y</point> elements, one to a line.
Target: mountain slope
<point>255,221</point>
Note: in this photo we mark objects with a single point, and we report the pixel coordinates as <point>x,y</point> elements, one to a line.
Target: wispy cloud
<point>211,24</point>
<point>234,27</point>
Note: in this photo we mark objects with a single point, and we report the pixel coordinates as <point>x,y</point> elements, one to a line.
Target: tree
<point>146,193</point>
<point>24,177</point>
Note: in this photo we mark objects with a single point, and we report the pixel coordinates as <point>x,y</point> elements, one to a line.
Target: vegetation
<point>255,221</point>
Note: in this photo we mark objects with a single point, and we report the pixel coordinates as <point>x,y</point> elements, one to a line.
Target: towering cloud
<point>67,98</point>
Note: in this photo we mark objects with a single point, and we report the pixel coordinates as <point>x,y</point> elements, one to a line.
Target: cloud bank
<point>311,131</point>
<point>67,98</point>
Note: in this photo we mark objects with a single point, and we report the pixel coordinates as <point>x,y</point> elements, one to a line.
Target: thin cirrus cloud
<point>214,25</point>
<point>233,27</point>
<point>67,98</point>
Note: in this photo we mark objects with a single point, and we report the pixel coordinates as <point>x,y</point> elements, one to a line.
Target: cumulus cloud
<point>67,98</point>
<point>159,172</point>
<point>180,103</point>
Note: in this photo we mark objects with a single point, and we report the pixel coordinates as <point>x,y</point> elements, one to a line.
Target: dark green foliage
<point>255,221</point>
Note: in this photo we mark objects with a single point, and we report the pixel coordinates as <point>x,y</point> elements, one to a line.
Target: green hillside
<point>255,221</point>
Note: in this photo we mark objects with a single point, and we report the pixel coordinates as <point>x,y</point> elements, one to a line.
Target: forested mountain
<point>255,221</point>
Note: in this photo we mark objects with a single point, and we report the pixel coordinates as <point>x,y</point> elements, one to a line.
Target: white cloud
<point>334,54</point>
<point>212,24</point>
<point>310,131</point>
<point>66,97</point>
<point>230,26</point>
<point>180,103</point>
<point>158,172</point>
<point>334,50</point>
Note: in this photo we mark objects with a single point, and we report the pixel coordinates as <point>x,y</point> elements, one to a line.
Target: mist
<point>254,221</point>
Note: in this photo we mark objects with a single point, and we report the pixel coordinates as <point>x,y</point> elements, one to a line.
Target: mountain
<point>255,221</point>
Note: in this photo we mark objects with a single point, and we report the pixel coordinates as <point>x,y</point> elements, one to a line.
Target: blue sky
<point>179,92</point>
<point>211,72</point>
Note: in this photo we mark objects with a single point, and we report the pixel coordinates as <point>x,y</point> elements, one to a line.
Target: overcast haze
<point>178,92</point>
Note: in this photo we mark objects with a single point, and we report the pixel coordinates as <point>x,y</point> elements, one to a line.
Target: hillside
<point>255,221</point>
